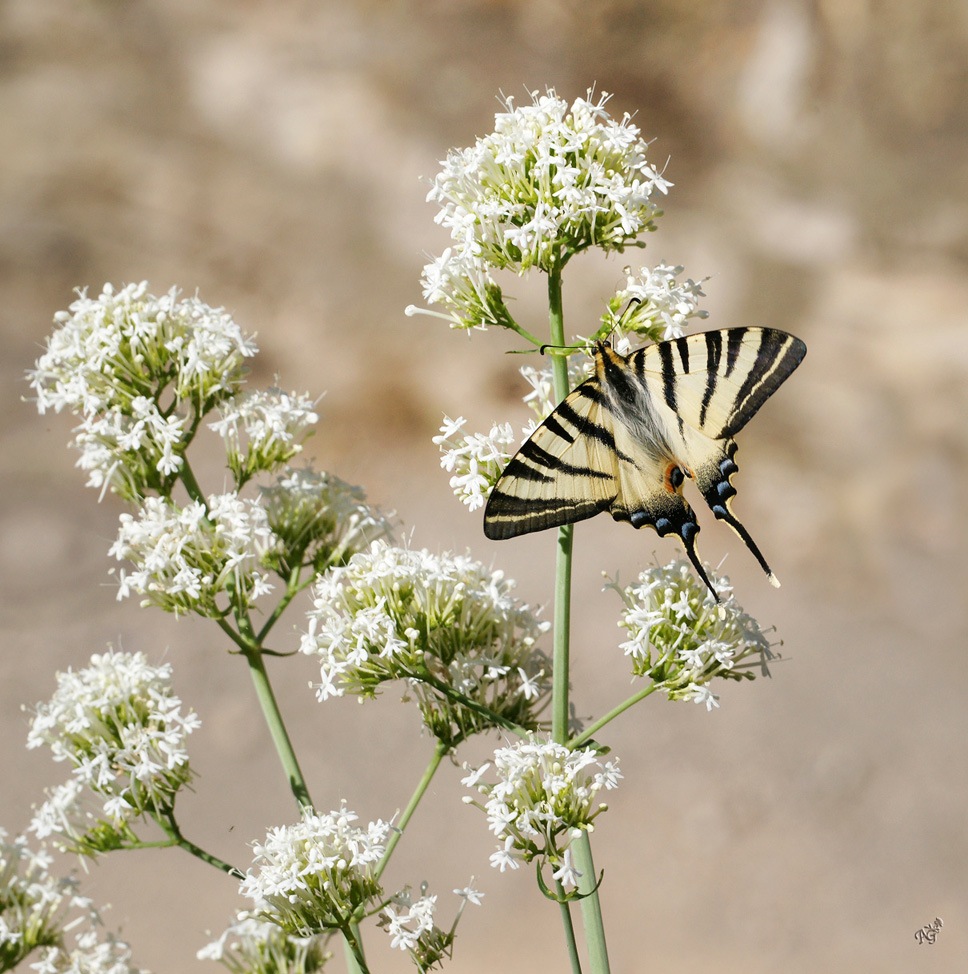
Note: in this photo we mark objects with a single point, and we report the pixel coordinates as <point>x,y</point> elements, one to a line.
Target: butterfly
<point>627,439</point>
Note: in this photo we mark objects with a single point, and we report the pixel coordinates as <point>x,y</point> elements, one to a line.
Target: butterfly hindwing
<point>650,495</point>
<point>564,472</point>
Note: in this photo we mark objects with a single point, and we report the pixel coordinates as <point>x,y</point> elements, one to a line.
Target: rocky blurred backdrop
<point>275,157</point>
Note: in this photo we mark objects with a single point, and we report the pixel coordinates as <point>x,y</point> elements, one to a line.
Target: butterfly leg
<point>714,482</point>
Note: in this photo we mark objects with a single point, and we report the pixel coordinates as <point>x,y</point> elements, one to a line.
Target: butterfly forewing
<point>565,472</point>
<point>717,380</point>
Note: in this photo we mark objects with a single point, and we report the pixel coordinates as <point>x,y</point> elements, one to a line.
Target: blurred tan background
<point>271,155</point>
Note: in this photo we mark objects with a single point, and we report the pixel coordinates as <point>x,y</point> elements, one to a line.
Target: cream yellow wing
<point>564,472</point>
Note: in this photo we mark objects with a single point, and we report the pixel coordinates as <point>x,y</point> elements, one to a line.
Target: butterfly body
<point>627,439</point>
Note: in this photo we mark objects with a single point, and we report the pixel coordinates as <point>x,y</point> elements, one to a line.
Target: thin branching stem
<point>439,751</point>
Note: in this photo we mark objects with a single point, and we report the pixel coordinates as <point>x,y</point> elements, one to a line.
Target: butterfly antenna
<point>620,319</point>
<point>563,350</point>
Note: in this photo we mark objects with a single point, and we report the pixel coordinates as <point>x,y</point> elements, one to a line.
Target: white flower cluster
<point>550,181</point>
<point>319,520</point>
<point>252,945</point>
<point>440,622</point>
<point>134,366</point>
<point>656,303</point>
<point>407,927</point>
<point>681,639</point>
<point>459,282</point>
<point>411,926</point>
<point>545,795</point>
<point>185,557</point>
<point>263,428</point>
<point>475,461</point>
<point>76,820</point>
<point>123,731</point>
<point>38,911</point>
<point>311,877</point>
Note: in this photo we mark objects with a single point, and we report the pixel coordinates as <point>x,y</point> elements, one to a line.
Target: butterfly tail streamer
<point>715,483</point>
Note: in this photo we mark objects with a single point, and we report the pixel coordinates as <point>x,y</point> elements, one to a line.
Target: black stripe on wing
<point>714,353</point>
<point>716,381</point>
<point>777,356</point>
<point>564,472</point>
<point>508,516</point>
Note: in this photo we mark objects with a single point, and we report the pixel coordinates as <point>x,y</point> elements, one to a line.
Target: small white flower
<point>397,613</point>
<point>470,895</point>
<point>702,695</point>
<point>123,731</point>
<point>543,797</point>
<point>186,557</point>
<point>567,873</point>
<point>681,639</point>
<point>310,877</point>
<point>470,780</point>
<point>505,857</point>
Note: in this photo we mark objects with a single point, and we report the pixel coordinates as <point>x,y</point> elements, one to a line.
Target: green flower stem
<point>277,728</point>
<point>590,904</point>
<point>589,732</point>
<point>570,940</point>
<point>171,828</point>
<point>293,588</point>
<point>353,951</point>
<point>523,332</point>
<point>562,634</point>
<point>439,751</point>
<point>191,484</point>
<point>562,613</point>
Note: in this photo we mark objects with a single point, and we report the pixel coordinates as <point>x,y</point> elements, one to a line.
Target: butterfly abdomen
<point>628,400</point>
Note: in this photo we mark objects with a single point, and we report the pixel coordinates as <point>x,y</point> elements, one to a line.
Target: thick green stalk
<point>353,951</point>
<point>570,939</point>
<point>562,613</point>
<point>590,905</point>
<point>562,634</point>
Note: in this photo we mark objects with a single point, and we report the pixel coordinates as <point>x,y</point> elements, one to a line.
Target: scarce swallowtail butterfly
<point>627,439</point>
